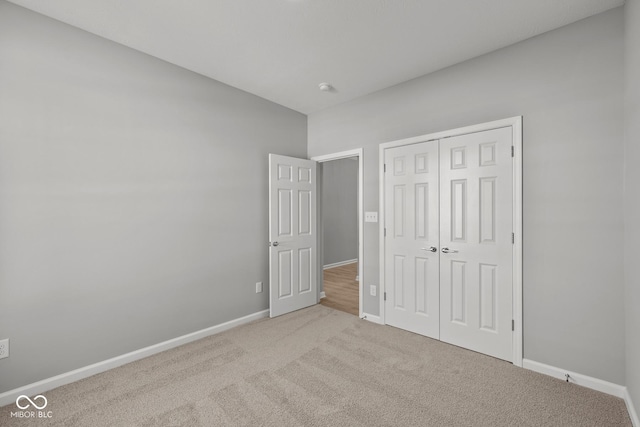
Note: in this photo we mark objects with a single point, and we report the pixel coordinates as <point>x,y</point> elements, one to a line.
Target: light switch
<point>371,217</point>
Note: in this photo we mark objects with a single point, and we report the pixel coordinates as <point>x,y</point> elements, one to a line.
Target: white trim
<point>587,381</point>
<point>337,156</point>
<point>496,124</point>
<point>323,295</point>
<point>631,409</point>
<point>517,249</point>
<point>59,380</point>
<point>358,152</point>
<point>340,264</point>
<point>575,378</point>
<point>516,124</point>
<point>381,230</point>
<point>372,318</point>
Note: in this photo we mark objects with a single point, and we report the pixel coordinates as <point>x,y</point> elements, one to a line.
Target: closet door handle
<point>430,249</point>
<point>449,251</point>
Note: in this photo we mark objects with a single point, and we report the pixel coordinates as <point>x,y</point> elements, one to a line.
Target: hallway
<point>341,288</point>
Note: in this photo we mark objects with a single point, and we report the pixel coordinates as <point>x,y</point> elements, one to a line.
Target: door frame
<point>358,152</point>
<point>516,125</point>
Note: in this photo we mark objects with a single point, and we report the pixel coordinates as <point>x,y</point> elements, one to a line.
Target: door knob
<point>449,251</point>
<point>275,244</point>
<point>430,249</point>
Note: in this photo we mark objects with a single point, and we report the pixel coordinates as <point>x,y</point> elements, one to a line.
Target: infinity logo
<point>31,402</point>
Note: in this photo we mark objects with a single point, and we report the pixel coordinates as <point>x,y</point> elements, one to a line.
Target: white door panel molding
<point>474,198</point>
<point>292,234</point>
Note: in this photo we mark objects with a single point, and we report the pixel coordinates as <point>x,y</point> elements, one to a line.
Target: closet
<point>449,250</point>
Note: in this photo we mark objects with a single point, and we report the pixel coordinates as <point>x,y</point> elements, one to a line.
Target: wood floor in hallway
<point>341,288</point>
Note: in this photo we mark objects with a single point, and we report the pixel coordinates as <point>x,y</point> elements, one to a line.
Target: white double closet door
<point>448,240</point>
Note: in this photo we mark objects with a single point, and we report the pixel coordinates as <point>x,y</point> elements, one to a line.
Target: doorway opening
<point>340,288</point>
<point>340,248</point>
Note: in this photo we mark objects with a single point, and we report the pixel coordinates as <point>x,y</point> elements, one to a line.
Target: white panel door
<point>411,245</point>
<point>476,218</point>
<point>292,234</point>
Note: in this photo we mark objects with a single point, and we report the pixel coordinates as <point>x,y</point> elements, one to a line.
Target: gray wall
<point>632,195</point>
<point>568,86</point>
<point>133,198</point>
<point>340,210</point>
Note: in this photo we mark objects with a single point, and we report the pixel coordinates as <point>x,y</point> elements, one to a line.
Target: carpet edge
<point>42,386</point>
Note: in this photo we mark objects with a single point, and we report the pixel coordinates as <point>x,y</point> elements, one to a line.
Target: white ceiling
<point>282,49</point>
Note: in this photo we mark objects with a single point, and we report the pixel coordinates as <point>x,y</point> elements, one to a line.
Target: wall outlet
<point>4,348</point>
<point>258,287</point>
<point>373,290</point>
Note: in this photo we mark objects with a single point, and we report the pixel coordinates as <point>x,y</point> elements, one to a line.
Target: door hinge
<point>385,232</point>
<point>385,296</point>
<point>513,238</point>
<point>513,151</point>
<point>513,325</point>
<point>385,167</point>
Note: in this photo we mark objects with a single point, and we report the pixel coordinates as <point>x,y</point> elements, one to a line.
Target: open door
<point>292,234</point>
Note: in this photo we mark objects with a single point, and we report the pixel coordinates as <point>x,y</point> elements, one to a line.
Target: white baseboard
<point>587,381</point>
<point>323,295</point>
<point>87,371</point>
<point>372,318</point>
<point>339,264</point>
<point>575,378</point>
<point>632,410</point>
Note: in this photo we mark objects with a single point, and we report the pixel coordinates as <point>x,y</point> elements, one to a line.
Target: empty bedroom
<point>319,213</point>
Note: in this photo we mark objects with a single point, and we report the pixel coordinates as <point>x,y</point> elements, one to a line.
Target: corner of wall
<point>632,204</point>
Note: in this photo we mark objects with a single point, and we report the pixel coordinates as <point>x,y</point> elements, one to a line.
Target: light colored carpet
<point>322,367</point>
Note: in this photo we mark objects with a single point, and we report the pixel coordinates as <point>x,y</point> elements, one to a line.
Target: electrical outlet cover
<point>4,348</point>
